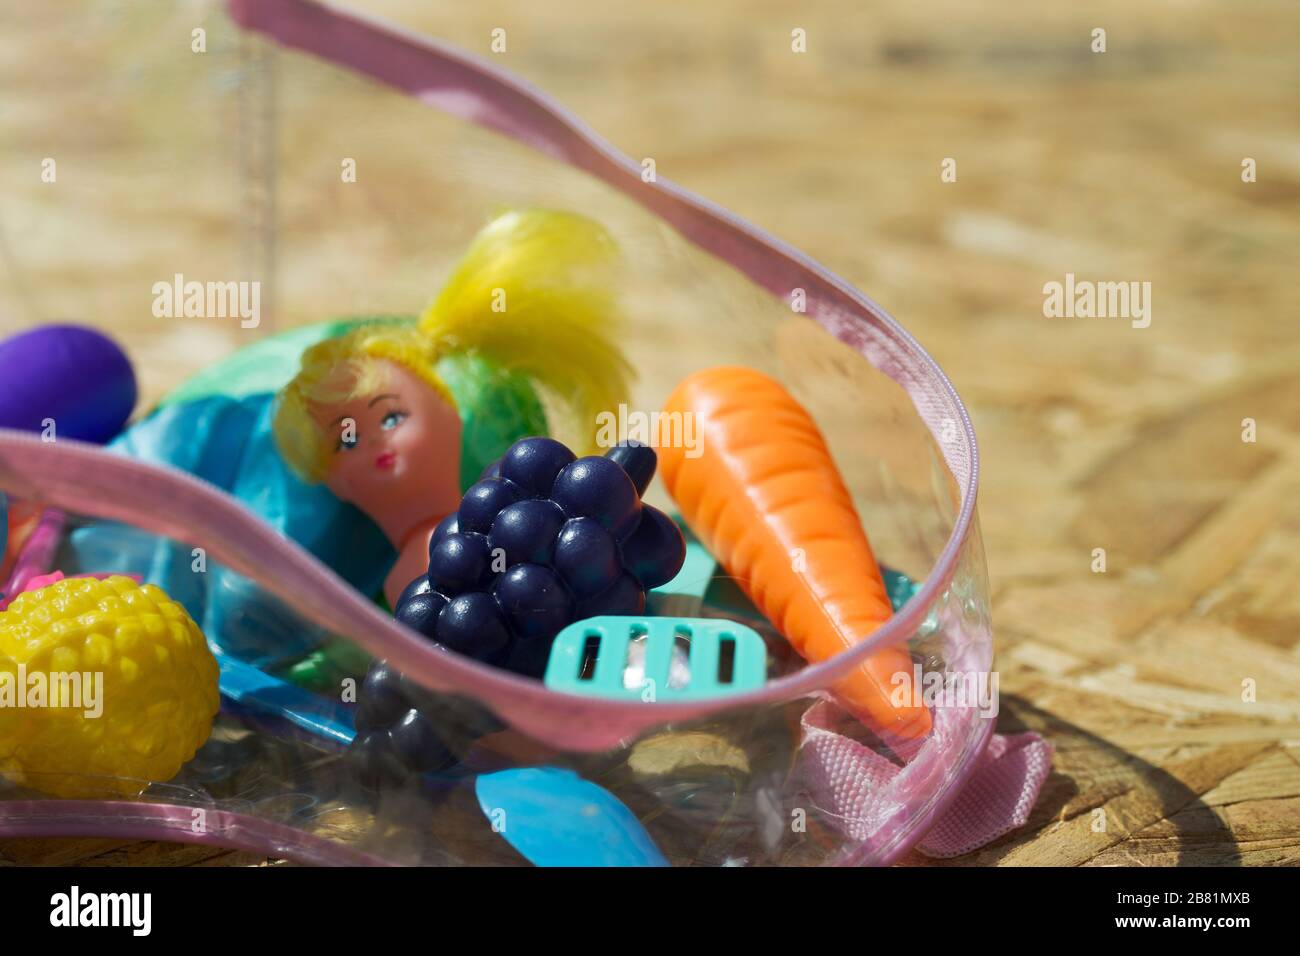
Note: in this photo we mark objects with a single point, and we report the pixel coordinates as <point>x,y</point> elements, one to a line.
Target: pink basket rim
<point>174,823</point>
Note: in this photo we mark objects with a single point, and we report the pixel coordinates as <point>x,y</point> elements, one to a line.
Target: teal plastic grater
<point>591,657</point>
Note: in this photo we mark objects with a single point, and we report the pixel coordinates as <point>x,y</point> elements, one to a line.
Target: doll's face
<point>395,448</point>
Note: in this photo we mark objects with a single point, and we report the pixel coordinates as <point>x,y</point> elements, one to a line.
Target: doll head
<point>368,416</point>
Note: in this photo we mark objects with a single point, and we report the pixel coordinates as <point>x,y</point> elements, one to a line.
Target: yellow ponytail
<point>533,294</point>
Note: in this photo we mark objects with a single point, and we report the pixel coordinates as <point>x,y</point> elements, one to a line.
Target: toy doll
<point>370,414</point>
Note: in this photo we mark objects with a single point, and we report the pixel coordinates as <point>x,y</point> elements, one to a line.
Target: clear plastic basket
<point>285,93</point>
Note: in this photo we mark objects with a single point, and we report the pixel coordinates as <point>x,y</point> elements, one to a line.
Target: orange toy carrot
<point>763,494</point>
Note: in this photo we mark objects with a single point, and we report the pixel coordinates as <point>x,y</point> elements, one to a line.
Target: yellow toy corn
<point>105,687</point>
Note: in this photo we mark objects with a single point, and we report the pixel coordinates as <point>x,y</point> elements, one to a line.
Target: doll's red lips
<point>386,461</point>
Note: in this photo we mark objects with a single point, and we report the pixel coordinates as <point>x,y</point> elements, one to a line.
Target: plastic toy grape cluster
<point>403,729</point>
<point>541,540</point>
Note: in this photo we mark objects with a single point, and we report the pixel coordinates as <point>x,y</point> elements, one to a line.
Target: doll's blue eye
<point>392,420</point>
<point>346,443</point>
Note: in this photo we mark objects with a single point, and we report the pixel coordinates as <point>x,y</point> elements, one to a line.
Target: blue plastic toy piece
<point>253,689</point>
<point>899,587</point>
<point>555,818</point>
<point>591,657</point>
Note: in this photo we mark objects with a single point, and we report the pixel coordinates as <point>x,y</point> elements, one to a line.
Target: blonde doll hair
<point>533,294</point>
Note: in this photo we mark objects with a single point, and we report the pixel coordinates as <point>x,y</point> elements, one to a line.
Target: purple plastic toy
<point>74,376</point>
